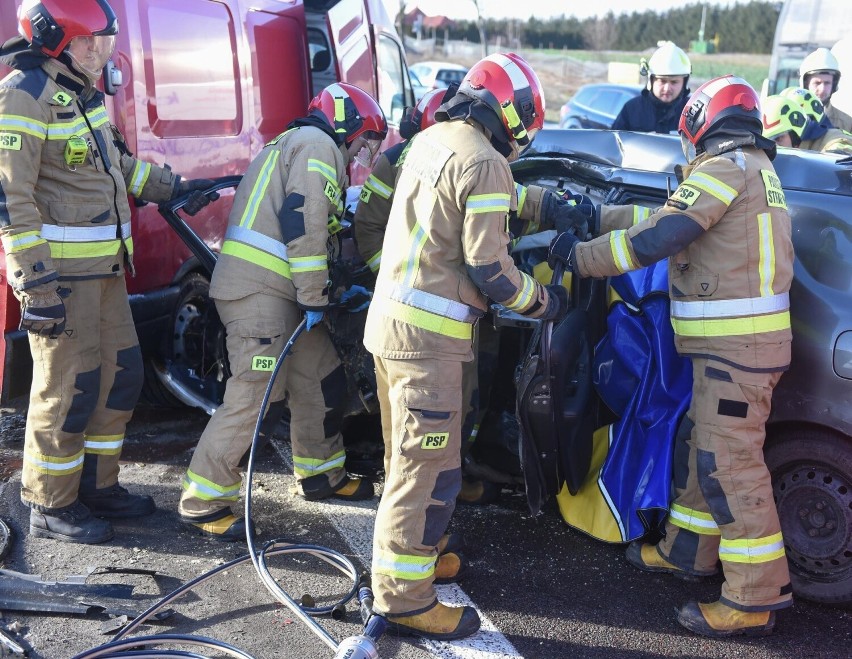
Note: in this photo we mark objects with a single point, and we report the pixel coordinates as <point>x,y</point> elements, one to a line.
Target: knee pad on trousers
<point>129,378</point>
<point>711,488</point>
<point>334,392</point>
<point>267,429</point>
<point>83,403</point>
<point>680,462</point>
<point>447,486</point>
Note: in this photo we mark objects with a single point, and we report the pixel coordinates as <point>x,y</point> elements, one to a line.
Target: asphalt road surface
<point>544,590</point>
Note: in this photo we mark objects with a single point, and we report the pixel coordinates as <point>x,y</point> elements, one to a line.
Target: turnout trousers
<point>312,379</point>
<point>85,386</point>
<point>723,507</point>
<point>421,408</point>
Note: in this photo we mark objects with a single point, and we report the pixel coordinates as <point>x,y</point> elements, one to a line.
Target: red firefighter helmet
<point>50,25</point>
<point>509,86</point>
<point>351,112</point>
<point>716,100</point>
<point>424,112</point>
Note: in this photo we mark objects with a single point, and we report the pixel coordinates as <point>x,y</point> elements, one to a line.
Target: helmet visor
<point>367,146</point>
<point>90,54</point>
<point>688,149</point>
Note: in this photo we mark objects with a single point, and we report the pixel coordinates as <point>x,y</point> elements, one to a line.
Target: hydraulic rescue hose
<point>362,646</point>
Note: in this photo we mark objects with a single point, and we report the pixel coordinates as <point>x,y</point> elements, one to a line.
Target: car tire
<point>812,485</point>
<point>196,354</point>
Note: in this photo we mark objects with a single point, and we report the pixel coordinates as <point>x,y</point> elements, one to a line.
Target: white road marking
<point>354,521</point>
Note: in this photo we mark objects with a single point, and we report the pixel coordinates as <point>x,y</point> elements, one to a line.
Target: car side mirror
<point>113,78</point>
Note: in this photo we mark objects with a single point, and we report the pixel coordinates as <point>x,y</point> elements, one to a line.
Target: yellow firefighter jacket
<point>833,141</point>
<point>56,217</point>
<point>277,235</point>
<point>371,216</point>
<point>726,232</point>
<point>445,248</point>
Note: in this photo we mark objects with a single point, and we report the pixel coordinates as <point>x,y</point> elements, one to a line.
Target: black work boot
<point>115,502</point>
<point>75,523</point>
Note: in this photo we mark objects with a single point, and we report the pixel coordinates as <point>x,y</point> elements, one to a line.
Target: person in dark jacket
<point>657,109</point>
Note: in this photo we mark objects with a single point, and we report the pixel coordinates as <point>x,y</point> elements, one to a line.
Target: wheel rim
<point>815,506</point>
<point>197,344</point>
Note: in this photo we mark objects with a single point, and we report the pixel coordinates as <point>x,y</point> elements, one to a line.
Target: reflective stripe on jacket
<point>277,234</point>
<point>446,239</point>
<point>730,286</point>
<point>74,219</point>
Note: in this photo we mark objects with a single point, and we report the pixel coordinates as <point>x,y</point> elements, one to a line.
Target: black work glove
<point>562,251</point>
<point>197,200</point>
<point>557,305</point>
<point>575,213</point>
<point>42,311</point>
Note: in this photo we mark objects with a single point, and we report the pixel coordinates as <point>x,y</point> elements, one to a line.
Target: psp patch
<point>365,195</point>
<point>435,440</point>
<point>10,141</point>
<point>262,363</point>
<point>686,195</point>
<point>332,192</point>
<point>774,192</point>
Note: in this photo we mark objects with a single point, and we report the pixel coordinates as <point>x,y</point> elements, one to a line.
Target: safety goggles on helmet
<point>51,25</point>
<point>509,86</point>
<point>808,102</point>
<point>90,54</point>
<point>782,115</point>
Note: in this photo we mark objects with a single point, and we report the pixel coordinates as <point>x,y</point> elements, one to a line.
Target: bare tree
<point>480,25</point>
<point>603,32</point>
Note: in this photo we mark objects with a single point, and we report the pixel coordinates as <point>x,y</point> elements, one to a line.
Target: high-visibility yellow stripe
<point>710,184</point>
<point>378,186</point>
<point>732,326</point>
<point>103,444</point>
<point>257,257</point>
<point>308,263</point>
<point>416,240</point>
<point>752,550</point>
<point>206,490</point>
<point>84,250</point>
<point>375,261</point>
<point>21,124</point>
<point>22,241</point>
<point>403,566</point>
<point>693,520</point>
<point>323,168</point>
<point>259,189</point>
<point>53,465</point>
<point>525,293</point>
<point>620,251</point>
<point>521,191</point>
<point>66,129</point>
<point>307,467</point>
<point>640,214</point>
<point>487,203</point>
<point>766,243</point>
<point>139,177</point>
<point>426,320</point>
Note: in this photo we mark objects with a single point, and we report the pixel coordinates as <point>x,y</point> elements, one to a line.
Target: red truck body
<point>206,83</point>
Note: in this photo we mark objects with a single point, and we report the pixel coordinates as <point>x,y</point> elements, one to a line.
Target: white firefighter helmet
<point>822,60</point>
<point>667,60</point>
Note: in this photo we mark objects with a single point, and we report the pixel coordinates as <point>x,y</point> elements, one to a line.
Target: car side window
<point>394,85</point>
<point>585,95</point>
<point>607,102</point>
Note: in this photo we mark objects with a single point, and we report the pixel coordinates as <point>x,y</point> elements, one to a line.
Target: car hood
<point>601,156</point>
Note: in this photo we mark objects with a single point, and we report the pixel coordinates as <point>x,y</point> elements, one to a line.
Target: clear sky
<point>523,9</point>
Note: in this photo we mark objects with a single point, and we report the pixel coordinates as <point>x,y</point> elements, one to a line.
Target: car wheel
<point>812,486</point>
<point>196,365</point>
<point>571,123</point>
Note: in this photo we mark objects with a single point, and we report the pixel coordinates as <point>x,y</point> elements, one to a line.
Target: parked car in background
<point>596,105</point>
<point>419,88</point>
<point>438,75</point>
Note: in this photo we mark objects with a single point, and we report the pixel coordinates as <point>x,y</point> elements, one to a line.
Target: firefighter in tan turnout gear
<point>538,209</point>
<point>273,269</point>
<point>445,250</point>
<point>726,232</point>
<point>65,226</point>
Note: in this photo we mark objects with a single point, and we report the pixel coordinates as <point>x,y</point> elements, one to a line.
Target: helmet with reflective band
<point>808,102</point>
<point>424,112</point>
<point>509,86</point>
<point>351,112</point>
<point>822,60</point>
<point>50,25</point>
<point>782,115</point>
<point>715,101</point>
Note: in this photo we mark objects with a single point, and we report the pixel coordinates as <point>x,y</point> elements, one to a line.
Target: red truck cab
<point>206,83</point>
